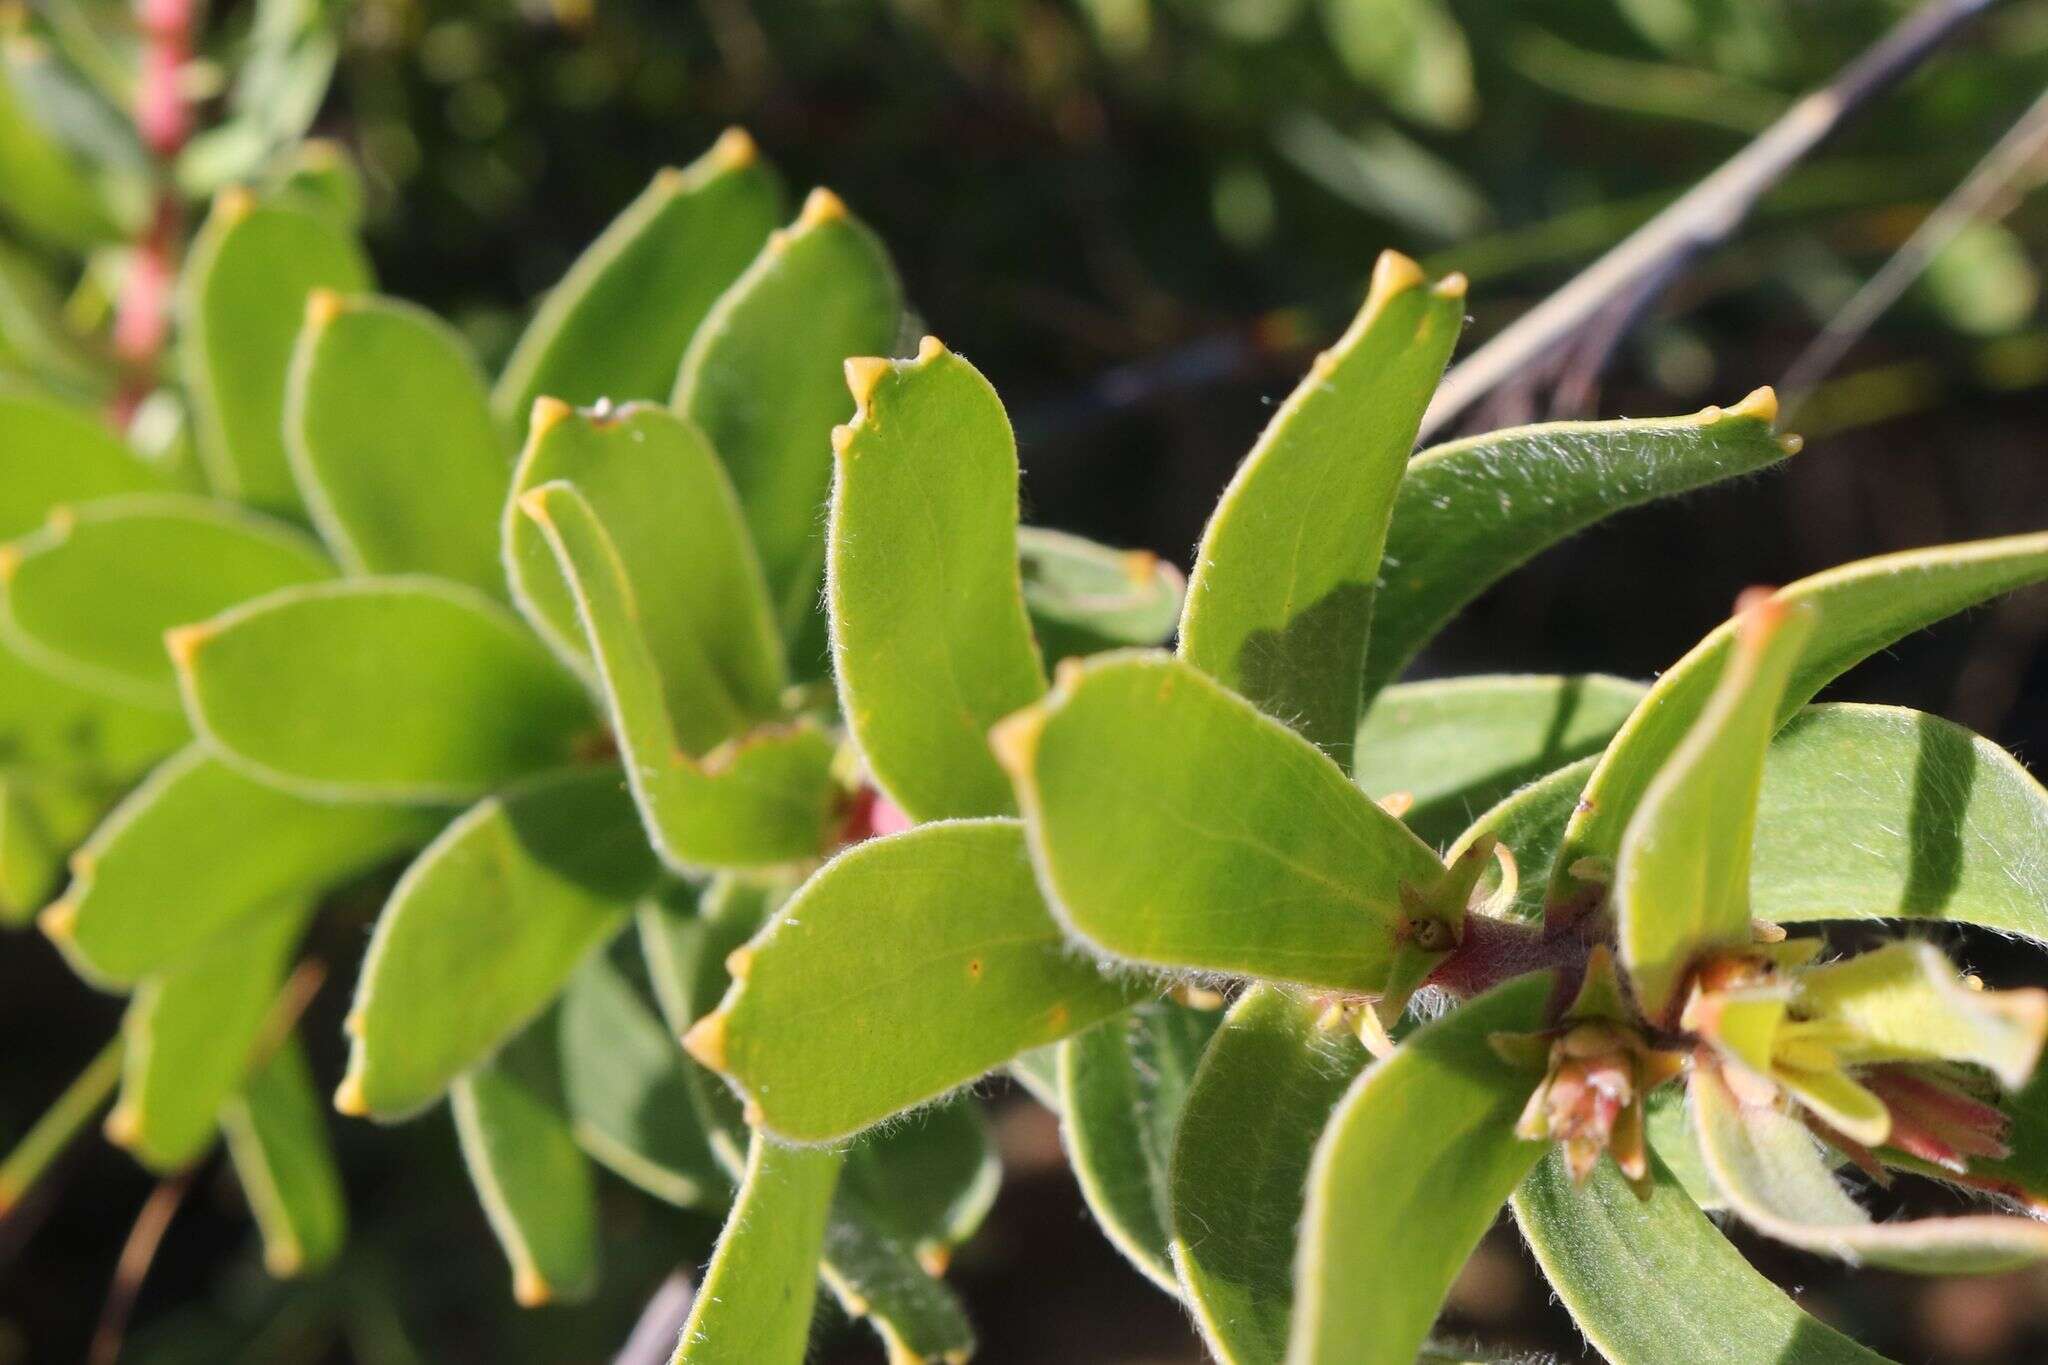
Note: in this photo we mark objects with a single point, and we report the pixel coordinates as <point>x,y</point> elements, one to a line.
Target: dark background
<point>1141,242</point>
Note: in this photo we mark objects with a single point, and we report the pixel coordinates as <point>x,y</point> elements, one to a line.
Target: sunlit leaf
<point>670,512</point>
<point>392,441</point>
<point>754,1302</point>
<point>402,689</point>
<point>618,323</point>
<point>1863,607</point>
<point>1457,746</point>
<point>1682,882</point>
<point>88,597</point>
<point>1425,1139</point>
<point>53,454</point>
<point>1176,826</point>
<point>241,298</point>
<point>483,930</point>
<point>931,645</point>
<point>907,967</point>
<point>762,798</point>
<point>762,379</point>
<point>1280,603</point>
<point>1468,512</point>
<point>198,846</point>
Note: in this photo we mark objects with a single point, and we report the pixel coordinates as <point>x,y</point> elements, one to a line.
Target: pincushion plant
<point>641,742</point>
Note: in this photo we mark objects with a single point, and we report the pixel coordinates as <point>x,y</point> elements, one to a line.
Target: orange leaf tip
<point>863,372</point>
<point>59,922</point>
<point>548,413</point>
<point>349,1098</point>
<point>183,643</point>
<point>934,1257</point>
<point>706,1041</point>
<point>1392,274</point>
<point>322,307</point>
<point>234,203</point>
<point>821,206</point>
<point>10,561</point>
<point>123,1126</point>
<point>282,1261</point>
<point>735,148</point>
<point>529,1290</point>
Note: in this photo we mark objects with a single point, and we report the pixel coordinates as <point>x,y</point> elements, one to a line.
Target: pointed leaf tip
<point>59,921</point>
<point>234,203</point>
<point>1760,403</point>
<point>323,306</point>
<point>735,148</point>
<point>929,348</point>
<point>348,1097</point>
<point>821,206</point>
<point>548,413</point>
<point>1014,739</point>
<point>183,643</point>
<point>529,1290</point>
<point>1393,273</point>
<point>706,1041</point>
<point>863,372</point>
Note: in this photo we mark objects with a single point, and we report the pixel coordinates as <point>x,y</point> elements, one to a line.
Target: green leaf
<point>686,938</point>
<point>1425,1139</point>
<point>1261,1098</point>
<point>390,435</point>
<point>763,798</point>
<point>1175,825</point>
<point>1085,598</point>
<point>44,190</point>
<point>1776,1179</point>
<point>53,454</point>
<point>277,1136</point>
<point>762,378</point>
<point>41,820</point>
<point>535,1185</point>
<point>1615,1260</point>
<point>617,325</point>
<point>1123,1085</point>
<point>483,930</point>
<point>51,729</point>
<point>399,689</point>
<point>1530,824</point>
<point>1863,607</point>
<point>628,1091</point>
<point>191,1034</point>
<point>930,642</point>
<point>1875,811</point>
<point>196,848</point>
<point>874,1275</point>
<point>1470,512</point>
<point>659,493</point>
<point>88,598</point>
<point>1682,882</point>
<point>241,298</point>
<point>754,1303</point>
<point>927,1181</point>
<point>906,967</point>
<point>1281,600</point>
<point>1411,51</point>
<point>1459,746</point>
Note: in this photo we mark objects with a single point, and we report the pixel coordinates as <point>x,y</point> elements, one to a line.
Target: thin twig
<point>60,1123</point>
<point>2018,156</point>
<point>1705,215</point>
<point>133,1268</point>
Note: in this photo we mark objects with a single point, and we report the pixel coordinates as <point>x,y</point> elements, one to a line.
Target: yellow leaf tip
<point>59,921</point>
<point>734,149</point>
<point>283,1262</point>
<point>548,413</point>
<point>929,348</point>
<point>534,503</point>
<point>349,1098</point>
<point>123,1126</point>
<point>322,307</point>
<point>1451,286</point>
<point>863,372</point>
<point>842,440</point>
<point>739,962</point>
<point>934,1257</point>
<point>235,203</point>
<point>1392,274</point>
<point>529,1290</point>
<point>10,562</point>
<point>1760,403</point>
<point>183,644</point>
<point>821,206</point>
<point>706,1041</point>
<point>352,1023</point>
<point>751,1113</point>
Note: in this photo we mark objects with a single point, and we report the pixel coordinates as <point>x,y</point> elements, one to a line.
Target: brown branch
<point>132,1269</point>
